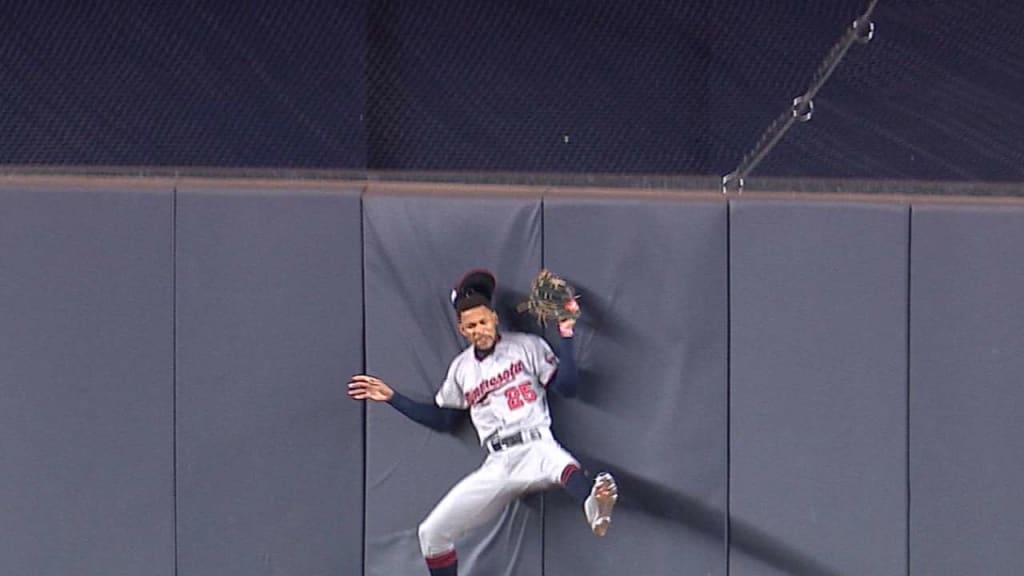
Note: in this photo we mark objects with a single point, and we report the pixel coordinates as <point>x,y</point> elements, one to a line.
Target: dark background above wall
<point>596,87</point>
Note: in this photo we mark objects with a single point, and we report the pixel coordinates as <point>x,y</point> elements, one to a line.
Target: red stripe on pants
<point>568,472</point>
<point>442,561</point>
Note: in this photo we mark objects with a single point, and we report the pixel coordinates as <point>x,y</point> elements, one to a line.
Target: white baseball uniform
<point>506,394</point>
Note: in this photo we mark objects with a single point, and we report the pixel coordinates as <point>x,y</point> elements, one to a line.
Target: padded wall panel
<point>416,249</point>
<point>269,325</point>
<point>86,384</point>
<point>966,399</point>
<point>652,348</point>
<point>818,388</point>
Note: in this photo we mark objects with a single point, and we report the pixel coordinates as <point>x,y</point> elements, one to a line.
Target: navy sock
<point>452,570</point>
<point>576,483</point>
<point>444,565</point>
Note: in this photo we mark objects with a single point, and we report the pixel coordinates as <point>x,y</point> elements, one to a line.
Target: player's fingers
<point>565,327</point>
<point>359,390</point>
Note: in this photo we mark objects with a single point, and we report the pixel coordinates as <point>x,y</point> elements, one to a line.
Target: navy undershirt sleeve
<point>567,378</point>
<point>430,415</point>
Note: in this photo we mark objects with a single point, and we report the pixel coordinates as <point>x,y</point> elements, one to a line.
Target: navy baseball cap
<point>475,288</point>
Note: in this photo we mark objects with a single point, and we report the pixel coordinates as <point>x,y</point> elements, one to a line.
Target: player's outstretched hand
<point>364,387</point>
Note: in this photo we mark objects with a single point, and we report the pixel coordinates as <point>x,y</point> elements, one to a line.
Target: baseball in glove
<point>551,299</point>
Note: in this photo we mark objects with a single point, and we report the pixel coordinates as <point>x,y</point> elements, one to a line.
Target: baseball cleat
<point>598,506</point>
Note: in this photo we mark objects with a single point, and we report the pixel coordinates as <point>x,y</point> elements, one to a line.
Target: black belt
<point>497,444</point>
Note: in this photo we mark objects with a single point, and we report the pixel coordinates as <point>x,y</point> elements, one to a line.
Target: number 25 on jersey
<point>519,395</point>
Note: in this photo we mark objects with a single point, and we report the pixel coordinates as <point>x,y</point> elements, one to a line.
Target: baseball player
<point>502,380</point>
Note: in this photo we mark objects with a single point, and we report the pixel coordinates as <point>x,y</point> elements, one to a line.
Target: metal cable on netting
<point>860,32</point>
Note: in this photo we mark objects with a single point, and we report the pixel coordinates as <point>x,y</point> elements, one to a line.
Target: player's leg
<point>475,500</point>
<point>597,496</point>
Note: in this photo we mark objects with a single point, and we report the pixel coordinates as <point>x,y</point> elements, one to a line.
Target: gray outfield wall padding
<point>966,399</point>
<point>416,248</point>
<point>652,349</point>
<point>818,388</point>
<point>86,381</point>
<point>269,326</point>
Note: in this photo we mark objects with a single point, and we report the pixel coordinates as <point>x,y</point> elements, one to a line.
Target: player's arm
<point>364,387</point>
<point>566,380</point>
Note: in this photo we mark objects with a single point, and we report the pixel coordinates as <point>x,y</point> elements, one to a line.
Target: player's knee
<point>424,534</point>
<point>432,541</point>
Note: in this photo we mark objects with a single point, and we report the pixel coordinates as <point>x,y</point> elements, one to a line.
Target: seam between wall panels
<point>174,373</point>
<point>364,408</point>
<point>728,380</point>
<point>543,497</point>
<point>910,239</point>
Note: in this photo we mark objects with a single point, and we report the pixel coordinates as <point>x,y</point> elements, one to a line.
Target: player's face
<point>480,326</point>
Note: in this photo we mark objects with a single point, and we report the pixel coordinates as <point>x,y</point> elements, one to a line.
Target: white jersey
<point>505,392</point>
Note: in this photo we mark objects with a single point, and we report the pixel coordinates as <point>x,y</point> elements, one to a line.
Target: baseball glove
<point>551,299</point>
